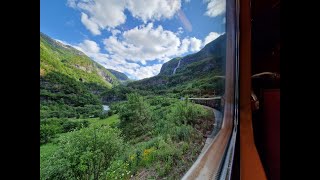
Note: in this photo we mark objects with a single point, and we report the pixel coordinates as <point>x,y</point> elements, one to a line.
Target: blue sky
<point>133,36</point>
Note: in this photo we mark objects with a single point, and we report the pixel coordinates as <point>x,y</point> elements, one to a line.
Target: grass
<point>108,121</point>
<point>97,121</point>
<point>47,150</point>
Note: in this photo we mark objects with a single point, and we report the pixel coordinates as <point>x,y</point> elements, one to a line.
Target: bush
<point>74,125</point>
<point>103,116</point>
<point>49,128</point>
<point>69,126</point>
<point>110,113</point>
<point>48,132</point>
<point>119,169</point>
<point>186,113</point>
<point>84,154</point>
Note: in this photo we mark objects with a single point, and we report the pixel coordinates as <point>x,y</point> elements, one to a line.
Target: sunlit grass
<point>109,120</point>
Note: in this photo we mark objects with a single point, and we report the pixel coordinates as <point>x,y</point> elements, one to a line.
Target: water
<point>106,108</point>
<point>174,71</point>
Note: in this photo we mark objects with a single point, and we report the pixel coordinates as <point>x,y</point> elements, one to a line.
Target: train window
<point>138,89</point>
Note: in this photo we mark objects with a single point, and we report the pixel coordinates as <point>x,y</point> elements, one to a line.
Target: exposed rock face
<point>105,76</point>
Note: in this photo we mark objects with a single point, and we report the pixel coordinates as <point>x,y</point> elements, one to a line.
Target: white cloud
<point>100,14</point>
<point>147,71</point>
<point>89,46</point>
<point>153,9</point>
<point>215,7</point>
<point>118,63</point>
<point>195,44</point>
<point>211,36</point>
<point>130,49</point>
<point>89,24</point>
<point>184,46</point>
<point>72,3</point>
<point>114,32</point>
<point>146,43</point>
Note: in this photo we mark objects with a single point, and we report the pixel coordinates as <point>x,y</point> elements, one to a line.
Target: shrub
<point>103,116</point>
<point>119,169</point>
<point>48,132</point>
<point>84,154</point>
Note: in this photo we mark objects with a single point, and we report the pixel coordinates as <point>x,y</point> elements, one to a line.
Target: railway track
<point>215,159</point>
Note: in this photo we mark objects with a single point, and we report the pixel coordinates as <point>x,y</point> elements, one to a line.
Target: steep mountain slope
<point>55,56</point>
<point>119,75</point>
<point>213,50</point>
<point>70,82</point>
<point>193,74</point>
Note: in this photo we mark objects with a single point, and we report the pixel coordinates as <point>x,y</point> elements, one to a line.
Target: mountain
<point>119,75</point>
<point>196,73</point>
<point>213,50</point>
<point>55,56</point>
<point>70,82</point>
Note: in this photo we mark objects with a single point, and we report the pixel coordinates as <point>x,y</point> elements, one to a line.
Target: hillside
<point>55,56</point>
<point>193,75</point>
<point>70,82</point>
<point>119,75</point>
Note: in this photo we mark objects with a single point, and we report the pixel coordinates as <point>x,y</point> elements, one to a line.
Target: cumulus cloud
<point>114,32</point>
<point>153,9</point>
<point>215,7</point>
<point>100,14</point>
<point>147,71</point>
<point>195,44</point>
<point>89,24</point>
<point>146,43</point>
<point>118,63</point>
<point>89,46</point>
<point>211,36</point>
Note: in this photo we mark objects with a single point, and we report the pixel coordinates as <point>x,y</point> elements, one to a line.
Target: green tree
<point>135,116</point>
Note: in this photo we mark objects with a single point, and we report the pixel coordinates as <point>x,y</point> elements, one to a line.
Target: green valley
<point>151,131</point>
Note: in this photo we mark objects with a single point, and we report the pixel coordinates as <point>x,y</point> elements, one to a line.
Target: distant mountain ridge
<point>119,75</point>
<point>215,48</point>
<point>196,72</point>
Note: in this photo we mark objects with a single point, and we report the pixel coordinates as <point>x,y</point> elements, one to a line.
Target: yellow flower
<point>146,152</point>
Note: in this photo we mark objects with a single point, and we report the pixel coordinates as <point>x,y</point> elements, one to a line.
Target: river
<point>106,108</point>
